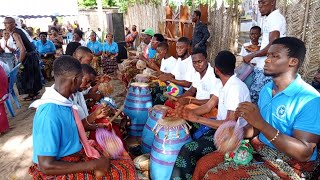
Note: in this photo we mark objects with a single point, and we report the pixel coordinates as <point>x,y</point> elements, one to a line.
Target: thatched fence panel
<point>223,26</point>
<point>303,22</point>
<point>144,16</point>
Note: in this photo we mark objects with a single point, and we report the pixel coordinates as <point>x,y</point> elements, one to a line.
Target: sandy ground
<point>16,145</point>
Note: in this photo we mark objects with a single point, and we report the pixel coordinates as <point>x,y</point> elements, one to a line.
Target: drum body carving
<point>136,106</point>
<point>156,112</point>
<point>170,135</point>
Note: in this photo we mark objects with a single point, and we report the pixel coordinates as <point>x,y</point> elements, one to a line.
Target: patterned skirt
<point>48,67</point>
<point>268,163</point>
<point>259,80</point>
<point>29,76</point>
<point>119,169</point>
<point>109,65</point>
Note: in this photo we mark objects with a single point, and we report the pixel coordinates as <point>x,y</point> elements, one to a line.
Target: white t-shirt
<point>206,85</point>
<point>230,95</point>
<point>80,103</point>
<point>10,43</point>
<point>244,52</point>
<point>167,65</point>
<point>184,70</point>
<point>273,22</point>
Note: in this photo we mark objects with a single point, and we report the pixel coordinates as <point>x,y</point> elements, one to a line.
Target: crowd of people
<point>278,106</point>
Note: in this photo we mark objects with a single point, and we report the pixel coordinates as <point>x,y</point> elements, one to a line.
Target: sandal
<point>31,97</point>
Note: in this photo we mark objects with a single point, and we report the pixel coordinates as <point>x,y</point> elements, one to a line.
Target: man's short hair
<point>296,47</point>
<point>184,40</point>
<point>256,27</point>
<point>225,61</point>
<point>71,48</point>
<point>65,65</point>
<point>83,49</point>
<point>79,32</point>
<point>200,51</point>
<point>198,13</point>
<point>44,33</point>
<point>163,45</point>
<point>87,69</point>
<point>159,37</point>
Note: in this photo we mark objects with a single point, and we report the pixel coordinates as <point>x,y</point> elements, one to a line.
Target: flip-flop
<point>30,98</point>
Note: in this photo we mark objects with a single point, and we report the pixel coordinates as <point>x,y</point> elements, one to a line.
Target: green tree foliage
<point>87,4</point>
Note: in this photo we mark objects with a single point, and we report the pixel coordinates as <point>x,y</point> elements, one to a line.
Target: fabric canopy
<point>38,8</point>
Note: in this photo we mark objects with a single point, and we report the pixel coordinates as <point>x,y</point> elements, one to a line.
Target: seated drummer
<point>58,152</point>
<point>203,83</point>
<point>168,62</point>
<point>227,95</point>
<point>144,46</point>
<point>183,71</point>
<point>47,50</point>
<point>153,62</point>
<point>285,126</point>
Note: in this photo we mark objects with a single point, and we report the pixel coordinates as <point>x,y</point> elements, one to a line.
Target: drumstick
<point>169,96</point>
<point>117,114</point>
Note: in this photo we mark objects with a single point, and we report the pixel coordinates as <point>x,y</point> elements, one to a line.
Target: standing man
<point>200,32</point>
<point>273,27</point>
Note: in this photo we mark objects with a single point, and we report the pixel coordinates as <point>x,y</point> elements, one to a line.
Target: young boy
<point>167,62</point>
<point>253,45</point>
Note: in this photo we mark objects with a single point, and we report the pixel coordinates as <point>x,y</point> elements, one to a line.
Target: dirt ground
<point>16,144</point>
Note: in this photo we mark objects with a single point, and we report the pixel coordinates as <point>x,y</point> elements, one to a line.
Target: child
<point>167,62</point>
<point>253,45</point>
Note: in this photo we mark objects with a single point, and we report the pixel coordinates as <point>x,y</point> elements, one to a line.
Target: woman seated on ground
<point>58,131</point>
<point>285,125</point>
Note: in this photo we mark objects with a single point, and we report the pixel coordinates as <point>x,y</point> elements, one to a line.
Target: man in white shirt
<point>273,27</point>
<point>227,96</point>
<point>183,71</point>
<point>203,83</point>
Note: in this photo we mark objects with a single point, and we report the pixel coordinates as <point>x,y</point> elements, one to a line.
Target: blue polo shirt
<point>295,108</point>
<point>46,47</point>
<point>95,47</point>
<point>151,53</point>
<point>113,48</point>
<point>55,132</point>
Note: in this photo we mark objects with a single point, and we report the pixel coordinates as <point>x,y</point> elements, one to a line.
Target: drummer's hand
<point>165,77</point>
<point>96,97</point>
<point>189,115</point>
<point>101,111</point>
<point>183,100</point>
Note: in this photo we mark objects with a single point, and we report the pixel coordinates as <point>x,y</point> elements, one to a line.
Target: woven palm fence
<point>144,16</point>
<point>303,22</point>
<point>223,25</point>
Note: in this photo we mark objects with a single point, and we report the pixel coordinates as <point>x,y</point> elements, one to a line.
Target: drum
<point>136,106</point>
<point>170,135</point>
<point>155,113</point>
<point>144,78</point>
